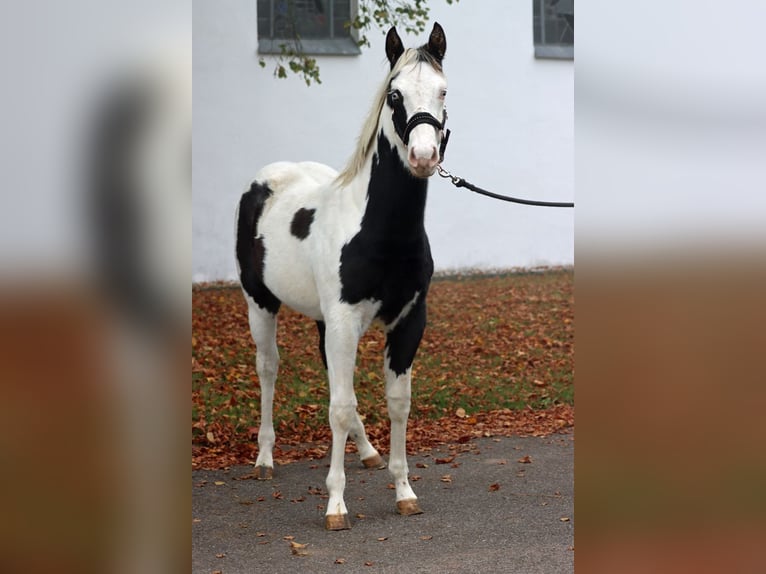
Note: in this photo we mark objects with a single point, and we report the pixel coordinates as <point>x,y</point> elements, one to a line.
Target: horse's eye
<point>394,96</point>
<point>443,94</point>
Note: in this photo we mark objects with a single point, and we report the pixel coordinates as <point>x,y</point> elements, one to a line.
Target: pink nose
<point>423,157</point>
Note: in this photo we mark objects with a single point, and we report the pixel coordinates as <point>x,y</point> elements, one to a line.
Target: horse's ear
<point>437,43</point>
<point>394,46</point>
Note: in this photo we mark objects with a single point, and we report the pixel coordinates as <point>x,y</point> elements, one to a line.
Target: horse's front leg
<point>401,344</point>
<point>342,338</point>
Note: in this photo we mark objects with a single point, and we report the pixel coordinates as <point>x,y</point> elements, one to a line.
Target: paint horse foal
<point>346,249</point>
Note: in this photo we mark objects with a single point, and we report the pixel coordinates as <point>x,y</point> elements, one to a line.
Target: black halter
<point>403,131</point>
<point>425,118</point>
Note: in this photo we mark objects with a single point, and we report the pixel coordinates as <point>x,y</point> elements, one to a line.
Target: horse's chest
<point>393,275</point>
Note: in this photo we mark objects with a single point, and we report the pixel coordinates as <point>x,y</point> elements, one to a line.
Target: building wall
<point>511,118</point>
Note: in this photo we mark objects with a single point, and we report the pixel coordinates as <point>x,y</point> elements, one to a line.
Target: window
<point>554,28</point>
<point>319,25</point>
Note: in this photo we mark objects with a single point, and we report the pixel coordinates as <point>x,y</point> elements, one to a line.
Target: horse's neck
<point>395,200</point>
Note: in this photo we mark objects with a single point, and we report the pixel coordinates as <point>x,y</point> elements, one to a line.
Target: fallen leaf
<point>382,538</point>
<point>340,561</point>
<point>444,460</point>
<point>494,487</point>
<point>196,520</point>
<point>360,516</point>
<point>220,555</point>
<point>219,483</point>
<point>368,563</point>
<point>222,351</point>
<point>288,537</point>
<point>525,459</point>
<point>446,478</point>
<point>564,519</point>
<point>460,412</point>
<point>426,537</point>
<point>260,534</point>
<point>298,549</point>
<point>421,465</point>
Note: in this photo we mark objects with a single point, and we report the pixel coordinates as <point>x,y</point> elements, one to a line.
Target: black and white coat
<point>347,249</point>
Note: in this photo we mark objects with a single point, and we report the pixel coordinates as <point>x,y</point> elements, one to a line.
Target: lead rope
<point>460,182</point>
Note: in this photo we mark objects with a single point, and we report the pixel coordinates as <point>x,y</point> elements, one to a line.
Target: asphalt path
<point>500,505</point>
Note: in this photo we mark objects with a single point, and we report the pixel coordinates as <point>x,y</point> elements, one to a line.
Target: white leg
<point>368,454</point>
<point>263,328</point>
<point>398,396</point>
<point>341,344</point>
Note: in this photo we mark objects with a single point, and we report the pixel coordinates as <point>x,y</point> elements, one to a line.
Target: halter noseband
<point>425,118</point>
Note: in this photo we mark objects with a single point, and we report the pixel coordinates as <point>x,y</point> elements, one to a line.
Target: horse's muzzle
<point>423,161</point>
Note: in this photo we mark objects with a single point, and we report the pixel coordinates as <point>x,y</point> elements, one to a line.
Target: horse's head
<point>413,115</point>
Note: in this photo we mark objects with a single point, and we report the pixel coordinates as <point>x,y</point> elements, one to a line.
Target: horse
<point>347,249</point>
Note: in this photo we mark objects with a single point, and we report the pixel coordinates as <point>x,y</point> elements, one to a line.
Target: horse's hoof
<point>337,522</point>
<point>375,461</point>
<point>265,473</point>
<point>408,507</point>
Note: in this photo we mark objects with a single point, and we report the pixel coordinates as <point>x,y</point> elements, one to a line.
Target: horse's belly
<point>288,274</point>
<point>288,225</point>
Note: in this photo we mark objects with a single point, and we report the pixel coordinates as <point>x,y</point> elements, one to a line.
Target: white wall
<point>511,118</point>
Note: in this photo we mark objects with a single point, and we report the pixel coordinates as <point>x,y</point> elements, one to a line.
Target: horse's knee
<point>342,416</point>
<point>399,407</point>
<point>266,365</point>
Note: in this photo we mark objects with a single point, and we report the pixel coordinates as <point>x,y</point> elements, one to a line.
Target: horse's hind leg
<point>401,344</point>
<point>367,453</point>
<point>263,328</point>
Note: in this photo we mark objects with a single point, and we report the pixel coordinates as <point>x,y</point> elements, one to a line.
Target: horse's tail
<point>250,250</point>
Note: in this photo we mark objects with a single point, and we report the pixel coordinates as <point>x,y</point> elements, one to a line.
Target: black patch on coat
<point>321,329</point>
<point>398,113</point>
<point>250,248</point>
<point>389,259</point>
<point>403,340</point>
<point>300,226</point>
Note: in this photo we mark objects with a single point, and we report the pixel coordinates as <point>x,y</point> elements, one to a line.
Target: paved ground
<point>491,514</point>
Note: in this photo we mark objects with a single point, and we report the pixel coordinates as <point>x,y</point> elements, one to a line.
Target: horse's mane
<point>370,127</point>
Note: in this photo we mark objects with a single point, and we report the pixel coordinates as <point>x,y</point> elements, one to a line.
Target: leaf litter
<point>497,359</point>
